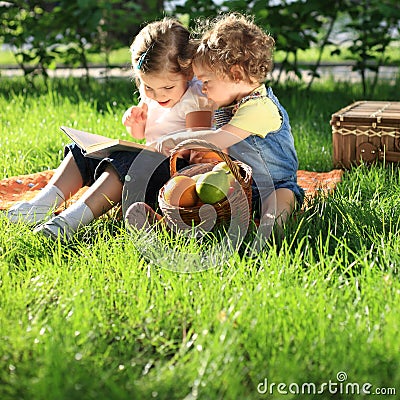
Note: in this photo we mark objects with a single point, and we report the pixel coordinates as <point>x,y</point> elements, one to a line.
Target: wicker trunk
<point>366,132</point>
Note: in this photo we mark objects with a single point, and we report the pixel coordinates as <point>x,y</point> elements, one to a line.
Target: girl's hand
<point>135,119</point>
<point>135,115</point>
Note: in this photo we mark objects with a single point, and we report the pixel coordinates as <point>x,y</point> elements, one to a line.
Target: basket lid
<point>384,113</point>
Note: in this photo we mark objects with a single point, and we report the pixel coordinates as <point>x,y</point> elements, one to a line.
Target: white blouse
<point>162,121</point>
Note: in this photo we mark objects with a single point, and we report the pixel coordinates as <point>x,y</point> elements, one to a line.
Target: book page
<point>85,139</point>
<point>98,146</point>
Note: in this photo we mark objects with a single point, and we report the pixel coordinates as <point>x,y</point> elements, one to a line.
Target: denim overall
<point>272,158</point>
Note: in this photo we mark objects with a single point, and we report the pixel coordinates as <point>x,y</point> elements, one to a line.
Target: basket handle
<point>201,145</point>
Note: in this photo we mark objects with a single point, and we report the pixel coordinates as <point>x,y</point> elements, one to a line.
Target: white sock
<point>50,196</point>
<point>77,215</point>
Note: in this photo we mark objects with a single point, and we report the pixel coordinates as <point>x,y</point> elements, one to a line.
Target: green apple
<point>197,177</point>
<point>212,186</point>
<point>223,166</point>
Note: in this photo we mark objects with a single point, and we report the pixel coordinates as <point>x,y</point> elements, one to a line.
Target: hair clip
<point>141,60</point>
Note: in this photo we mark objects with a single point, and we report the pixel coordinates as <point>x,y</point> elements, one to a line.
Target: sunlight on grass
<point>107,317</point>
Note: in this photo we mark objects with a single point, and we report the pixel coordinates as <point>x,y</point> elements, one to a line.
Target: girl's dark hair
<point>162,46</point>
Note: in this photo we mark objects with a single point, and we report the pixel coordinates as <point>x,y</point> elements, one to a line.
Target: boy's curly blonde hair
<point>235,39</point>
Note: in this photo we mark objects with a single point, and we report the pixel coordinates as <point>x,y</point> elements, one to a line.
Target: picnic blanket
<point>25,187</point>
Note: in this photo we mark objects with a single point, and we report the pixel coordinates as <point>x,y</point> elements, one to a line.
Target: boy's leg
<point>284,205</point>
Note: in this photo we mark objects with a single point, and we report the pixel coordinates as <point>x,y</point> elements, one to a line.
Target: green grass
<point>96,320</point>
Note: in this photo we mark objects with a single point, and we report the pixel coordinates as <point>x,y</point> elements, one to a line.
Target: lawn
<point>314,315</point>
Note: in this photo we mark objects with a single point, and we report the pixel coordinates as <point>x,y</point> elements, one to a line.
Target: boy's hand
<point>165,144</point>
<point>135,115</point>
<point>205,156</point>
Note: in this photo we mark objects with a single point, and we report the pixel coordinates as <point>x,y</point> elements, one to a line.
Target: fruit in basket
<point>211,155</point>
<point>223,166</point>
<point>197,177</point>
<point>212,186</point>
<point>198,157</point>
<point>180,191</point>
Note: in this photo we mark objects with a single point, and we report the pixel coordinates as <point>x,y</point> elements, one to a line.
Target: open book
<point>97,146</point>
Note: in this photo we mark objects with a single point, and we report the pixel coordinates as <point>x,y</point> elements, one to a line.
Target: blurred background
<point>359,38</point>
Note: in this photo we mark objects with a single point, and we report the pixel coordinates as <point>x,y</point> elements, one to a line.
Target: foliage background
<point>44,33</point>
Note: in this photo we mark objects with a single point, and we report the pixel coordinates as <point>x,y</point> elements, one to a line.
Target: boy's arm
<point>199,119</point>
<point>225,137</point>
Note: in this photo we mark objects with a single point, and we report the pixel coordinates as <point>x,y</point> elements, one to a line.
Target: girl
<point>233,60</point>
<point>170,97</point>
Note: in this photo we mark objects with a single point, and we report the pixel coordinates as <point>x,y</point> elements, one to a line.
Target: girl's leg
<point>149,176</point>
<point>98,199</point>
<point>66,181</point>
<point>67,177</point>
<point>104,193</point>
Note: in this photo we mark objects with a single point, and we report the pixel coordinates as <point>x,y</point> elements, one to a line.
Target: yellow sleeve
<point>258,116</point>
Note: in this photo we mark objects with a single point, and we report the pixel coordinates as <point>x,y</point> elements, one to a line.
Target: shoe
<point>28,213</point>
<point>141,216</point>
<point>56,228</point>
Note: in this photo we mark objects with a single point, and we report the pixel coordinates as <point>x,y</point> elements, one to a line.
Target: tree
<point>28,27</point>
<point>41,32</point>
<point>375,24</point>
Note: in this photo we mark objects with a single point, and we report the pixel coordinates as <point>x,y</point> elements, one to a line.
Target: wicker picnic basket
<point>237,204</point>
<point>366,132</point>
